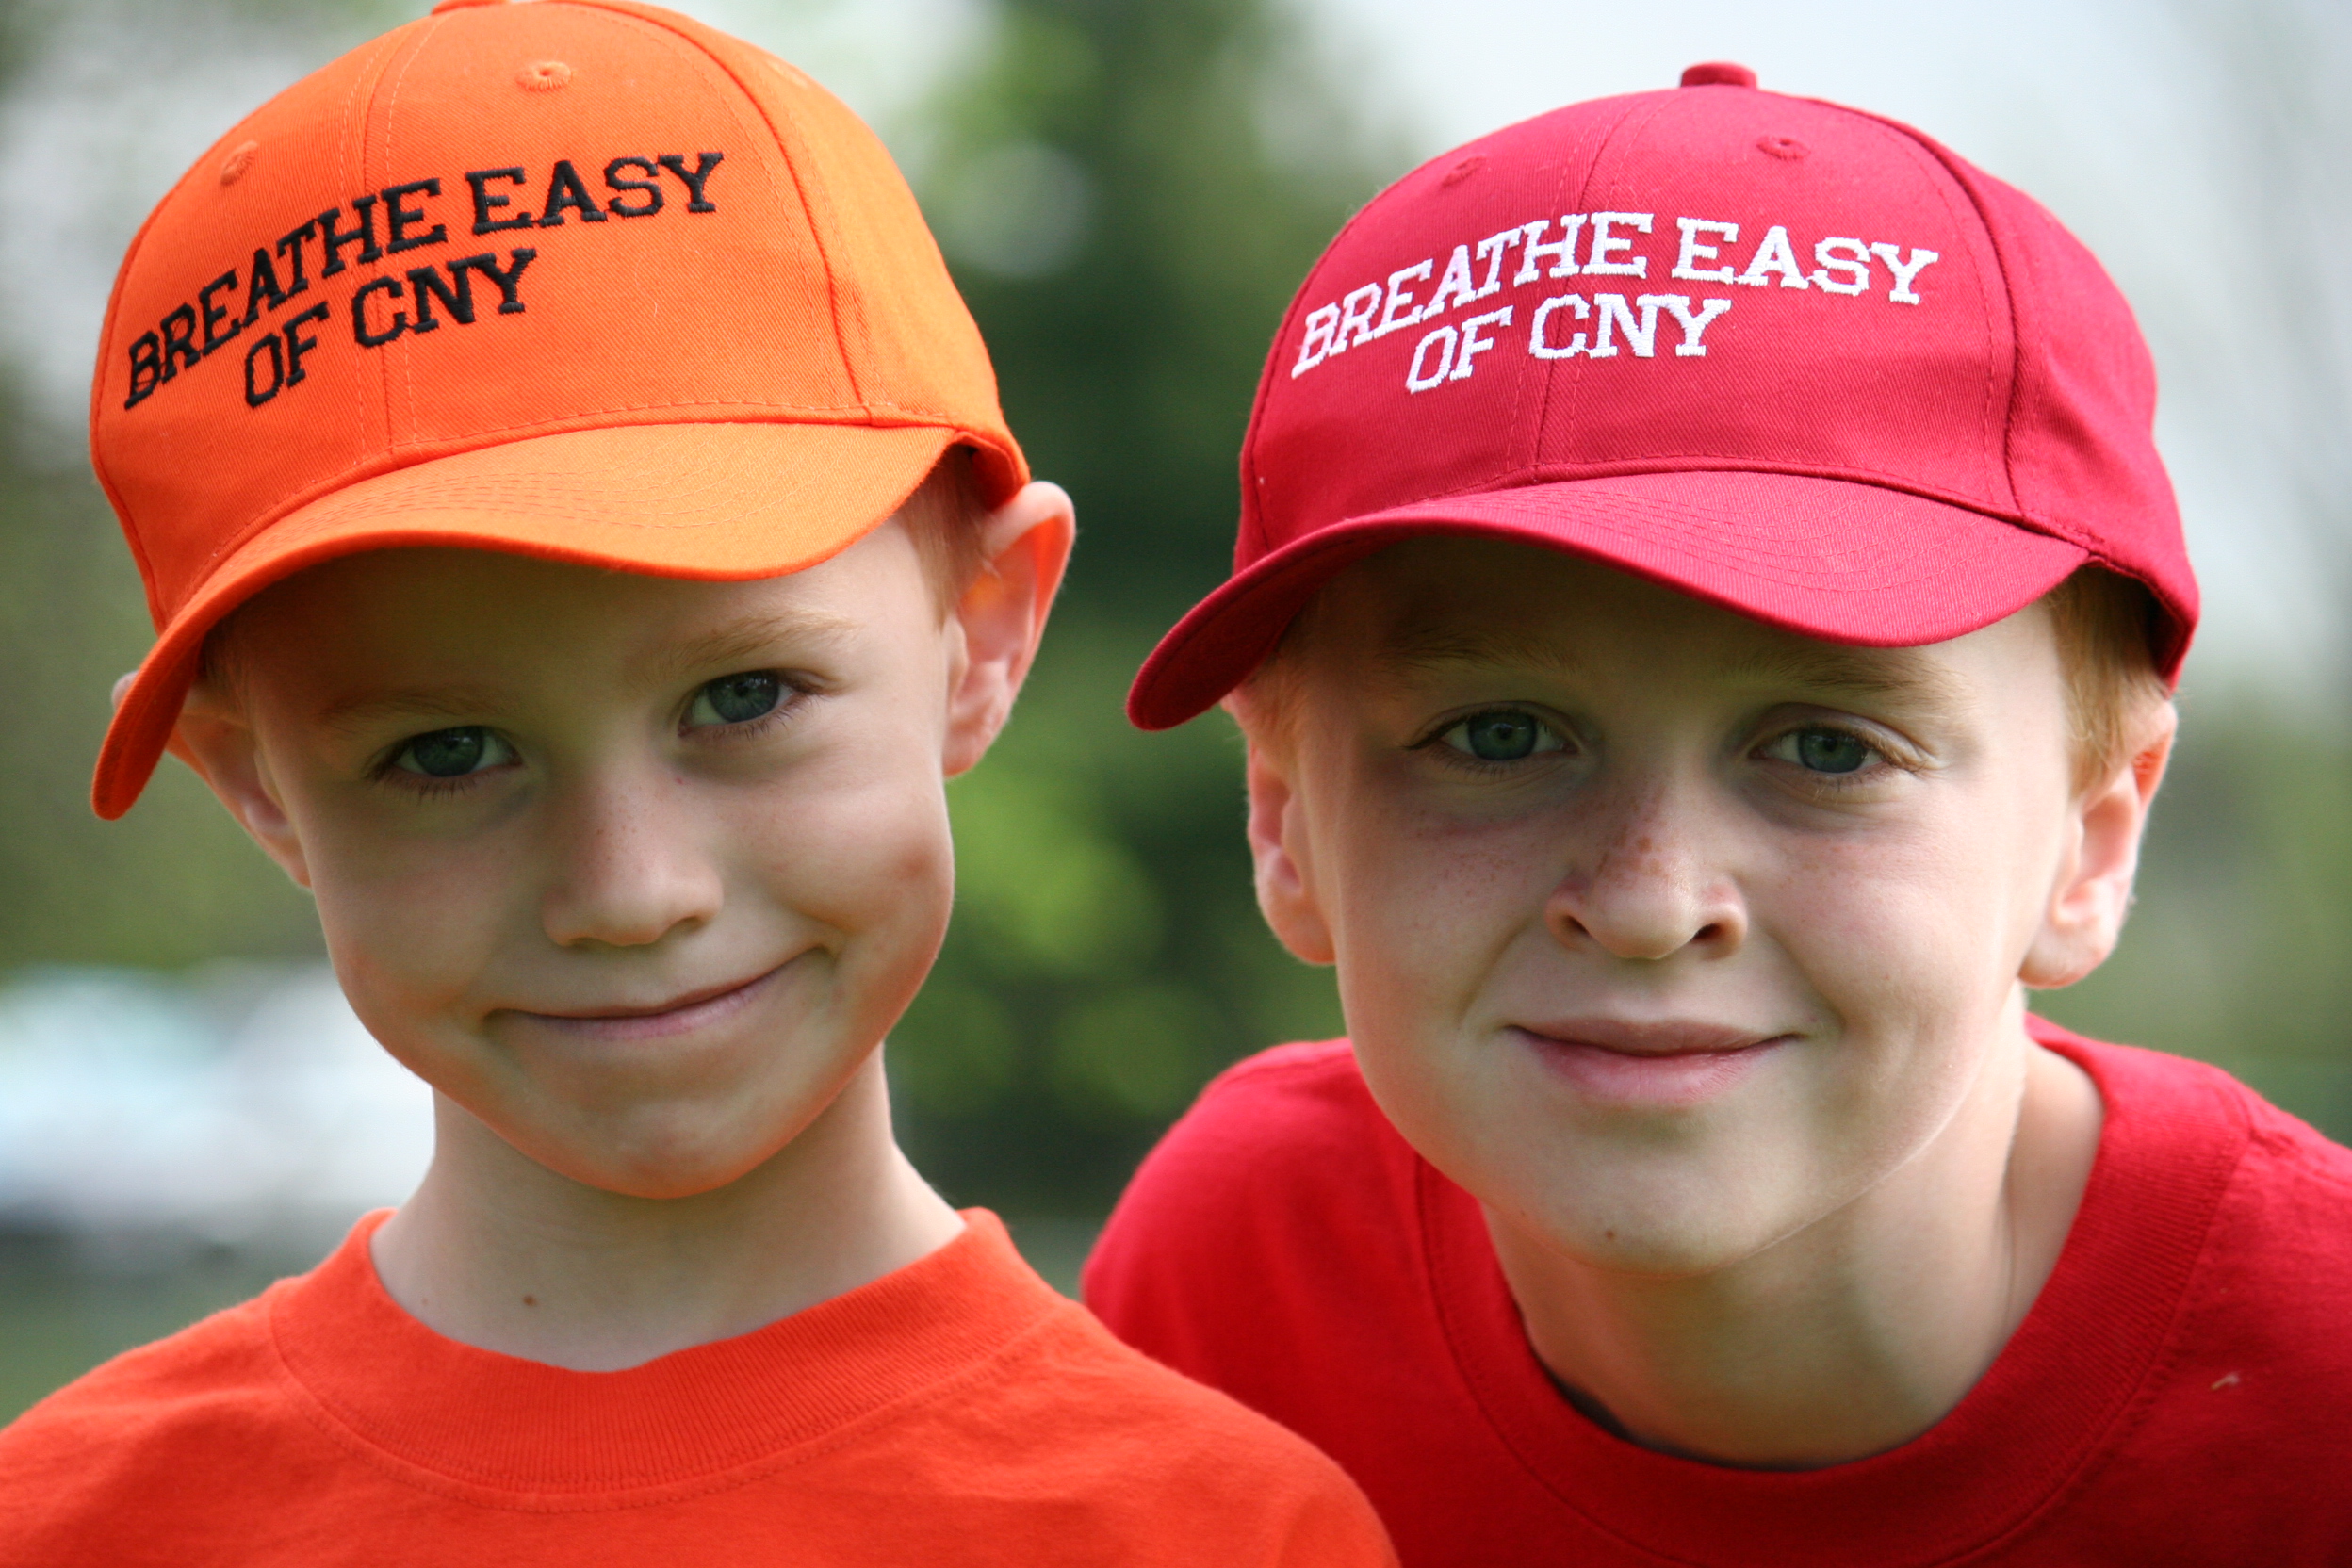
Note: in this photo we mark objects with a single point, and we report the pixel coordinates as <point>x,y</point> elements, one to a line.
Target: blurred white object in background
<point>242,1105</point>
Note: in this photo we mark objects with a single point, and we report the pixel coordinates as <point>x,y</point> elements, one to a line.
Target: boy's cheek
<point>1901,941</point>
<point>417,984</point>
<point>417,908</point>
<point>1400,874</point>
<point>864,854</point>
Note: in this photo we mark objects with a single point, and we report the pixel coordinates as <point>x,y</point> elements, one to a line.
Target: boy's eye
<point>453,753</point>
<point>735,698</point>
<point>1822,750</point>
<point>1506,735</point>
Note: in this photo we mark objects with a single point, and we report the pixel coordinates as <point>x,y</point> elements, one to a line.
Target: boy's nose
<point>1648,890</point>
<point>627,868</point>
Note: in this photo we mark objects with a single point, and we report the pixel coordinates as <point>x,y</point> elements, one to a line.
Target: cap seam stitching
<point>1252,512</point>
<point>1578,369</point>
<point>407,350</point>
<point>361,97</point>
<point>1298,303</point>
<point>1916,147</point>
<point>109,339</point>
<point>813,196</point>
<point>821,235</point>
<point>133,523</point>
<point>1949,163</point>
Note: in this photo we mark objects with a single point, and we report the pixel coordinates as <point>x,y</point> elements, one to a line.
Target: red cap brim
<point>1844,562</point>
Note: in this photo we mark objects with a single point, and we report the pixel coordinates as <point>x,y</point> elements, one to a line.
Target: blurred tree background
<point>1128,193</point>
<point>2240,949</point>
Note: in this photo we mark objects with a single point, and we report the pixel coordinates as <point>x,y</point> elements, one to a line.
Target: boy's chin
<point>664,1152</point>
<point>1669,1225</point>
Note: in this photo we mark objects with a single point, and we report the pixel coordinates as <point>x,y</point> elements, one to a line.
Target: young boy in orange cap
<point>1703,619</point>
<point>582,537</point>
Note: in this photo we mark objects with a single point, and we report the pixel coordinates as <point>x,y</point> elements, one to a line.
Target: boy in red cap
<point>1704,620</point>
<point>582,537</point>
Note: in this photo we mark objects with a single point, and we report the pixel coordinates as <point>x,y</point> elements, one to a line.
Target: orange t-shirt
<point>956,1410</point>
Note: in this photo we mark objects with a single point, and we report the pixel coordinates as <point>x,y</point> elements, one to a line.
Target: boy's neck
<point>498,1252</point>
<point>1858,1333</point>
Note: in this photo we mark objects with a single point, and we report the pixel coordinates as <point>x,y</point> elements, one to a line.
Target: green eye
<point>1825,751</point>
<point>736,699</point>
<point>453,753</point>
<point>1506,735</point>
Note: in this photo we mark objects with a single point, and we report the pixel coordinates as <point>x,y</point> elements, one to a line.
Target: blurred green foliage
<point>1211,164</point>
<point>1174,169</point>
<point>1128,194</point>
<point>175,881</point>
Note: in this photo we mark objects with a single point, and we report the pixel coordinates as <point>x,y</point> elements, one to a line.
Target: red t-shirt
<point>956,1410</point>
<point>2180,1391</point>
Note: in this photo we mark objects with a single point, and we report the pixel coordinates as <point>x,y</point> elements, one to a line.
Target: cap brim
<point>1844,562</point>
<point>717,501</point>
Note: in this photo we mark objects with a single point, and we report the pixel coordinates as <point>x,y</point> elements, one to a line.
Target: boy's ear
<point>1283,856</point>
<point>216,738</point>
<point>2093,894</point>
<point>1024,546</point>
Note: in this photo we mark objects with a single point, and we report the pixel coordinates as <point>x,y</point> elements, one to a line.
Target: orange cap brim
<point>717,501</point>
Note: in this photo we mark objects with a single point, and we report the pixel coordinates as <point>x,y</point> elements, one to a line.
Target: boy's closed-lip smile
<point>681,1014</point>
<point>1668,1061</point>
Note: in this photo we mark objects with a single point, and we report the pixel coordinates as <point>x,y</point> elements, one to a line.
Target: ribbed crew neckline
<point>2072,1376</point>
<point>377,1376</point>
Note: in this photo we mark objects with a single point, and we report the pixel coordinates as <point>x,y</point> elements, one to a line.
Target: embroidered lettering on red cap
<point>1842,265</point>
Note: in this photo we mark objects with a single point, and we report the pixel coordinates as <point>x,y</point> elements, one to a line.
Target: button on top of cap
<point>461,5</point>
<point>1710,73</point>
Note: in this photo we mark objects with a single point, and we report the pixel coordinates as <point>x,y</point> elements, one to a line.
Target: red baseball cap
<point>1787,357</point>
<point>580,279</point>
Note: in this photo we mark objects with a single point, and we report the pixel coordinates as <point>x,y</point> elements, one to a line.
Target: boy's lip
<point>676,1015</point>
<point>1665,1065</point>
<point>1659,1038</point>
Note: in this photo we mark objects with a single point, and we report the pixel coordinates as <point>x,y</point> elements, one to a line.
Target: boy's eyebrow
<point>1428,645</point>
<point>747,639</point>
<point>1826,667</point>
<point>1867,672</point>
<point>427,702</point>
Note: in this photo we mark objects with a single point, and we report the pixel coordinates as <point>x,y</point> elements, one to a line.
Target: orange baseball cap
<point>576,279</point>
